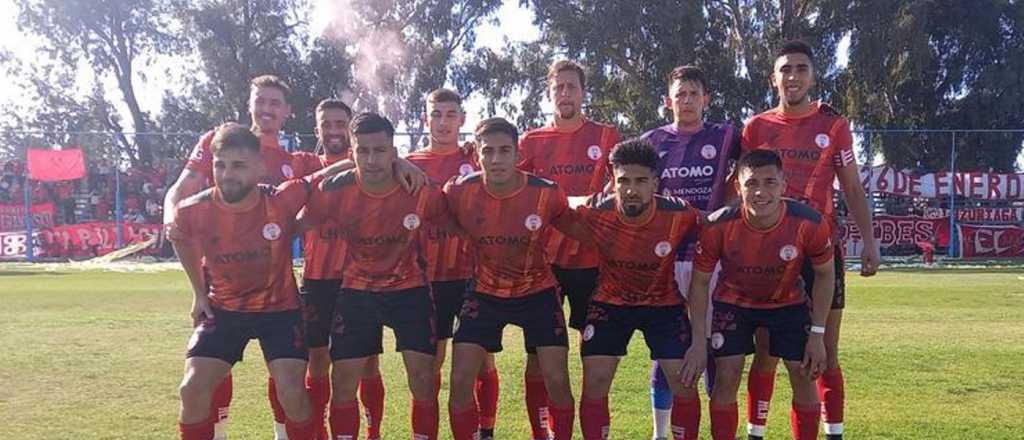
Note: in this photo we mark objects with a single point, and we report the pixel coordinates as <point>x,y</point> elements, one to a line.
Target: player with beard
<point>638,291</point>
<point>269,108</point>
<point>383,283</point>
<point>816,147</point>
<point>566,152</point>
<point>505,212</point>
<point>234,242</point>
<point>763,245</point>
<point>449,257</point>
<point>324,255</point>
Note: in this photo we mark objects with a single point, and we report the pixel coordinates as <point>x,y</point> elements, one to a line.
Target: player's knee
<point>532,365</point>
<point>596,383</point>
<point>763,362</point>
<point>462,385</point>
<point>372,367</point>
<point>319,362</point>
<point>421,383</point>
<point>192,392</point>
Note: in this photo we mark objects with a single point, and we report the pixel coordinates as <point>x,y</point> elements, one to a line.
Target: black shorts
<point>839,296</point>
<point>318,299</point>
<point>360,317</point>
<point>448,298</point>
<point>609,328</point>
<point>483,319</point>
<point>225,336</point>
<point>733,327</point>
<point>579,286</point>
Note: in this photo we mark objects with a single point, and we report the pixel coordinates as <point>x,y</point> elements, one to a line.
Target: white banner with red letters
<point>897,232</point>
<point>991,241</point>
<point>12,217</point>
<point>974,185</point>
<point>979,215</point>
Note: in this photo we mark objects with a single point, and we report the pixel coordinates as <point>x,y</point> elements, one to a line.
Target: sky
<point>515,23</point>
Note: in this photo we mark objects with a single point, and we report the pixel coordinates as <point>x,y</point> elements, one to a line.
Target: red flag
<point>55,165</point>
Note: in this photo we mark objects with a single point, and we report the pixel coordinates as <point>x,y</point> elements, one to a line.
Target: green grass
<point>98,355</point>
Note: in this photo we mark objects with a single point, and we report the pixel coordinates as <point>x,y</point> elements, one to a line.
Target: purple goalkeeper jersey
<point>694,166</point>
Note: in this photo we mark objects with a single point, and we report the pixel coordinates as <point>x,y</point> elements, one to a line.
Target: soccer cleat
<point>754,437</point>
<point>834,437</point>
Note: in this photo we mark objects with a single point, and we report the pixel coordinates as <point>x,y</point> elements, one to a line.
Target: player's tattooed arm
<point>190,255</point>
<point>188,183</point>
<point>857,202</point>
<point>695,359</point>
<point>573,224</point>
<point>824,282</point>
<point>409,175</point>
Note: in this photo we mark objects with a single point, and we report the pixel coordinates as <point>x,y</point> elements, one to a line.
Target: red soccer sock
<point>345,419</point>
<point>371,393</point>
<point>562,420</point>
<point>304,430</point>
<point>275,405</point>
<point>487,388</point>
<point>595,420</point>
<point>832,394</point>
<point>804,421</point>
<point>760,387</point>
<point>465,423</point>
<point>685,417</point>
<point>724,421</point>
<point>197,431</point>
<point>537,406</point>
<point>221,401</point>
<point>424,420</point>
<point>319,391</point>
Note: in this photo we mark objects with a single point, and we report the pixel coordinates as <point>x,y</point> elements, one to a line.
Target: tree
<point>111,36</point>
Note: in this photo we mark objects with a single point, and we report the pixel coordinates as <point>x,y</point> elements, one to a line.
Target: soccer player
<point>566,152</point>
<point>382,284</point>
<point>763,245</point>
<point>695,156</point>
<point>506,212</point>
<point>324,254</point>
<point>815,144</point>
<point>234,243</point>
<point>638,291</point>
<point>268,106</point>
<point>449,256</point>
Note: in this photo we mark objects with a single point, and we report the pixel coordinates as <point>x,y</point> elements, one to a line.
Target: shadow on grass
<point>955,270</point>
<point>18,273</point>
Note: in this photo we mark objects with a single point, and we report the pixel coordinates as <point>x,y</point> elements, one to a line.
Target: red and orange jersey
<point>813,147</point>
<point>637,259</point>
<point>761,267</point>
<point>323,247</point>
<point>449,256</point>
<point>508,232</point>
<point>570,159</point>
<point>247,254</point>
<point>380,230</point>
<point>277,161</point>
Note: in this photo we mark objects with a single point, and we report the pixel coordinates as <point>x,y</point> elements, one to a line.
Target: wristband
<point>817,329</point>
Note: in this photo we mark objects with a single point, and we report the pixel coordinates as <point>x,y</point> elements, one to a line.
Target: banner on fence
<point>893,232</point>
<point>975,185</point>
<point>979,215</point>
<point>78,241</point>
<point>991,241</point>
<point>12,217</point>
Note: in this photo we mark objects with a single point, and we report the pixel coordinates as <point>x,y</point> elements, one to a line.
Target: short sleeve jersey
<point>508,232</point>
<point>322,247</point>
<point>277,161</point>
<point>247,254</point>
<point>569,159</point>
<point>812,146</point>
<point>380,230</point>
<point>761,267</point>
<point>637,259</point>
<point>449,256</point>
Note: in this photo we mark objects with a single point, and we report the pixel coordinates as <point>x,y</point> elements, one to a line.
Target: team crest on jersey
<point>287,171</point>
<point>594,152</point>
<point>271,231</point>
<point>588,332</point>
<point>663,248</point>
<point>465,169</point>
<point>822,140</point>
<point>717,340</point>
<point>788,252</point>
<point>708,152</point>
<point>411,222</point>
<point>533,222</point>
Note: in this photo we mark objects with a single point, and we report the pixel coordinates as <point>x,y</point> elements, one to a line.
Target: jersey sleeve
<point>709,249</point>
<point>436,206</point>
<point>293,194</point>
<point>747,137</point>
<point>183,223</point>
<point>819,244</point>
<point>842,142</point>
<point>201,159</point>
<point>526,162</point>
<point>305,163</point>
<point>695,218</point>
<point>318,206</point>
<point>574,221</point>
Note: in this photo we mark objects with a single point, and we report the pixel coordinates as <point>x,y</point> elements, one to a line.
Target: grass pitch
<point>98,355</point>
